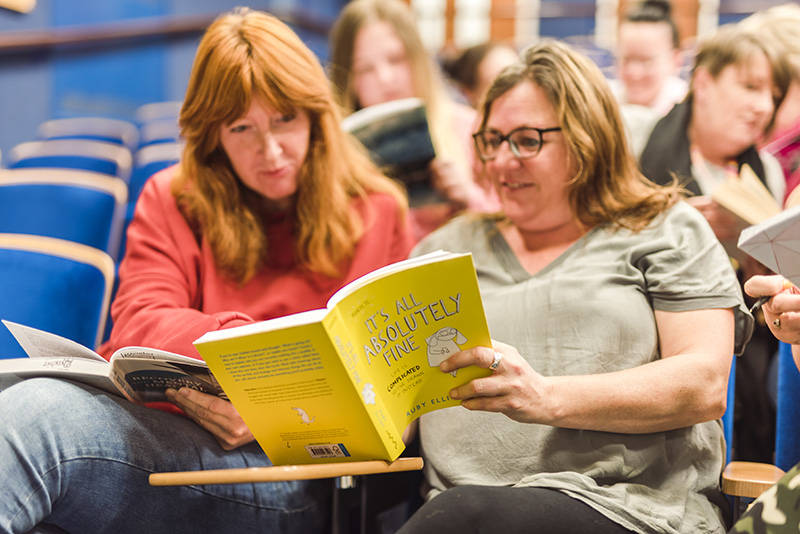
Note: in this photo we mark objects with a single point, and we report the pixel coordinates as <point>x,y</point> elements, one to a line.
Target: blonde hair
<point>783,24</point>
<point>607,187</point>
<point>428,83</point>
<point>246,55</point>
<point>737,45</point>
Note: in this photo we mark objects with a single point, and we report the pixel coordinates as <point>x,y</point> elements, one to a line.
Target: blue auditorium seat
<point>54,285</point>
<point>114,131</point>
<point>81,154</point>
<point>79,206</point>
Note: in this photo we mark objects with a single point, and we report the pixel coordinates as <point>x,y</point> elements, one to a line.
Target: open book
<point>748,199</point>
<point>397,136</point>
<point>342,383</point>
<point>139,374</point>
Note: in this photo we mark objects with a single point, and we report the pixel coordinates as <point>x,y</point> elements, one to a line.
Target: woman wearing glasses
<point>615,315</point>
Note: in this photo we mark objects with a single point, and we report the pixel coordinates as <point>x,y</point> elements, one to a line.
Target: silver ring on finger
<point>497,359</point>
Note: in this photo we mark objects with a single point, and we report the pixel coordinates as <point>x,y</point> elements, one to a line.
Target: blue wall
<point>110,79</point>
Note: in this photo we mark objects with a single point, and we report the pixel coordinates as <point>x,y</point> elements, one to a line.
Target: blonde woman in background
<point>782,23</point>
<point>377,56</point>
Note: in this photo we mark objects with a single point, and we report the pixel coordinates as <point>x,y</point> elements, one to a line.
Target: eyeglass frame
<point>511,145</point>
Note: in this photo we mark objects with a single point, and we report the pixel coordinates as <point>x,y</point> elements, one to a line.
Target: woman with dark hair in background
<point>649,58</point>
<point>473,69</point>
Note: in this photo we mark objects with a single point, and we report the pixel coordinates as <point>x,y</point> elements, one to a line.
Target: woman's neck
<point>708,145</point>
<point>536,249</point>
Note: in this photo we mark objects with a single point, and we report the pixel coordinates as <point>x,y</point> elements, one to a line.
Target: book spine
<point>390,437</point>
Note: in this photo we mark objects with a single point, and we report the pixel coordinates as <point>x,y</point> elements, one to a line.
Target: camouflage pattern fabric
<point>776,511</point>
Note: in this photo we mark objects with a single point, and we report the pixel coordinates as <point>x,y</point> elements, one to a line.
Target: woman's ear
<point>701,80</point>
<point>677,61</point>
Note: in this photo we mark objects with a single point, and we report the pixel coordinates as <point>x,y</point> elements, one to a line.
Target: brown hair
<point>607,187</point>
<point>736,45</point>
<point>246,55</point>
<point>783,24</point>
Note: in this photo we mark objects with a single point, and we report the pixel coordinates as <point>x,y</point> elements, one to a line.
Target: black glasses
<point>523,142</point>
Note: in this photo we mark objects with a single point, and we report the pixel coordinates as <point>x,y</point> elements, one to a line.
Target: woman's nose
<point>764,103</point>
<point>385,74</point>
<point>505,156</point>
<point>270,146</point>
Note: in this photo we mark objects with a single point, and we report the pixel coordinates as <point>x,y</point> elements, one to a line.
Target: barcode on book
<point>331,450</point>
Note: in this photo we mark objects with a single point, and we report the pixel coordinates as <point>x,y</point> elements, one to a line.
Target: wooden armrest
<point>749,479</point>
<point>284,472</point>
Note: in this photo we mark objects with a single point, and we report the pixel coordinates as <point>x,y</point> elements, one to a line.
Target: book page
<point>372,114</point>
<point>746,197</point>
<point>148,379</point>
<point>94,373</point>
<point>146,353</point>
<point>297,319</point>
<point>387,270</point>
<point>40,344</point>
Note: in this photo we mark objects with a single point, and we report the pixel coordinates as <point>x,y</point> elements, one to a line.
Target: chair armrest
<point>749,479</point>
<point>284,472</point>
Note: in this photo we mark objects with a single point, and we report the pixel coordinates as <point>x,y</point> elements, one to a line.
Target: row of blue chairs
<point>154,123</point>
<point>96,168</point>
<point>65,201</point>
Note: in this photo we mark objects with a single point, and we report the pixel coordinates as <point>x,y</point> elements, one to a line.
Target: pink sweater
<point>170,292</point>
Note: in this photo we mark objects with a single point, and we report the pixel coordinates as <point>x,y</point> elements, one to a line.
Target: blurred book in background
<point>397,136</point>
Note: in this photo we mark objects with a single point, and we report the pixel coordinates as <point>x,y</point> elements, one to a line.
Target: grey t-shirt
<point>591,311</point>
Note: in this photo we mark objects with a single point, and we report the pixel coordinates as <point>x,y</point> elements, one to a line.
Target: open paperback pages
<point>139,374</point>
<point>749,200</point>
<point>342,383</point>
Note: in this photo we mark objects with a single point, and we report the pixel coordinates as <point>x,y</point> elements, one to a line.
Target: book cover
<point>139,374</point>
<point>398,138</point>
<point>775,242</point>
<point>343,383</point>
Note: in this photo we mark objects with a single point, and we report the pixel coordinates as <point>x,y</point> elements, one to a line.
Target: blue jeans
<point>78,458</point>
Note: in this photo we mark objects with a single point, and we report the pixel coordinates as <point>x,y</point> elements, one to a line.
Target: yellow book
<point>342,383</point>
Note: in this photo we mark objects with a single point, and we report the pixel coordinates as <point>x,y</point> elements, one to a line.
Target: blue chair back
<point>787,430</point>
<point>53,285</point>
<point>76,154</point>
<point>149,160</point>
<point>169,109</point>
<point>159,131</point>
<point>76,206</point>
<point>727,417</point>
<point>109,130</point>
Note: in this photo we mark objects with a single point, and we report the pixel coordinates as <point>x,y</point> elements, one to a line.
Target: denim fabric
<point>78,458</point>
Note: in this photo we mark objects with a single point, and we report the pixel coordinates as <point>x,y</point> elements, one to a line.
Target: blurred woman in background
<point>377,56</point>
<point>649,58</point>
